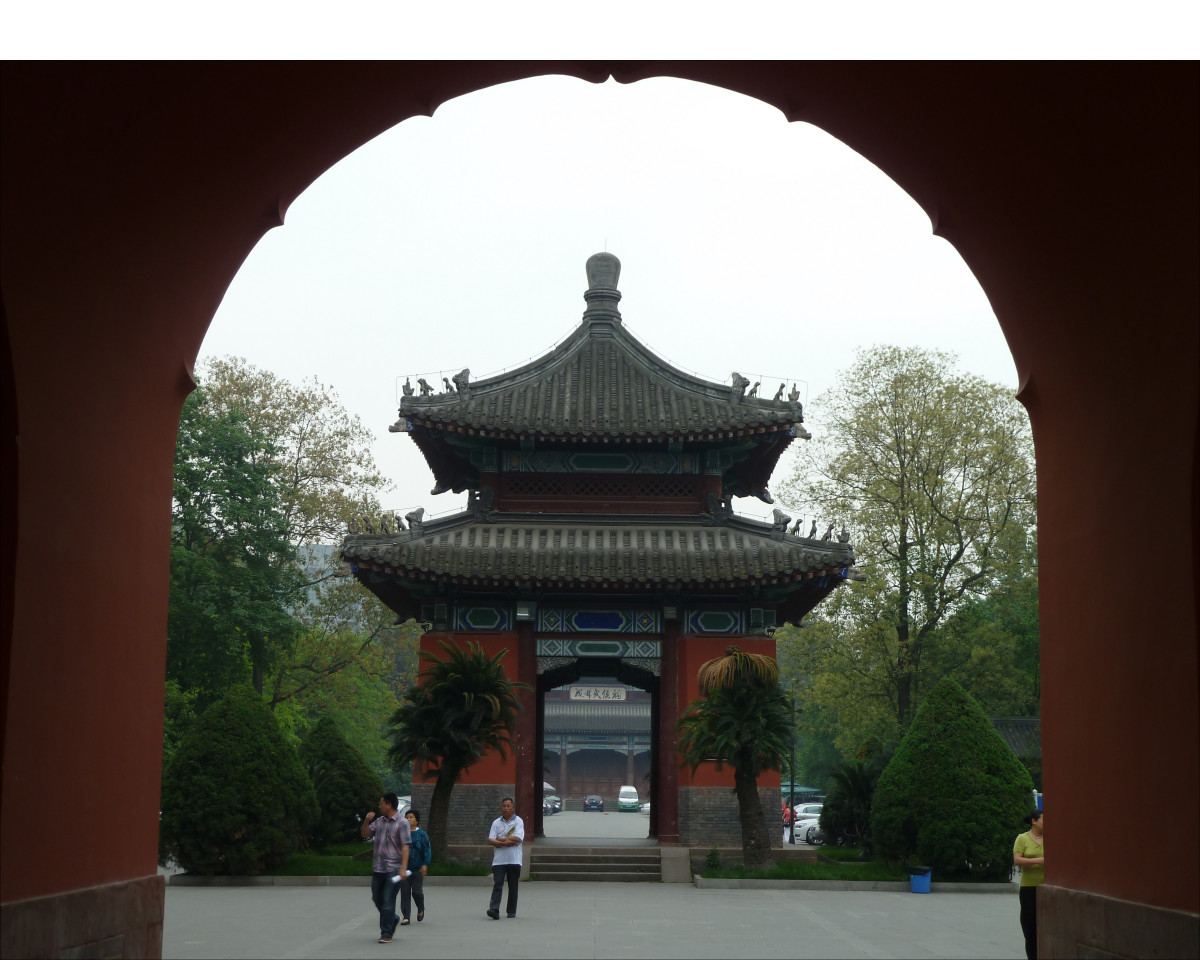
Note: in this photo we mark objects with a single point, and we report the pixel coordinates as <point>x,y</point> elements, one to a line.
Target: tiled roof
<point>600,382</point>
<point>576,717</point>
<point>1022,734</point>
<point>590,550</point>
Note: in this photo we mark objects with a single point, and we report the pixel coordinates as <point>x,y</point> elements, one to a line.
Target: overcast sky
<point>747,243</point>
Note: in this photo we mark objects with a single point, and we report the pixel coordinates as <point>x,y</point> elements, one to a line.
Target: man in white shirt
<point>507,835</point>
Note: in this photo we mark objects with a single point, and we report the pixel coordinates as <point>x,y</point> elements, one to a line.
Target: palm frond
<point>737,666</point>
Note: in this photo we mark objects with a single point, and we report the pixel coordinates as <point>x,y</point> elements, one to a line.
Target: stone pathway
<point>592,920</point>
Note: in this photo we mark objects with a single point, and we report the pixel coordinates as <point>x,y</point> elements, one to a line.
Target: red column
<point>539,756</point>
<point>667,801</point>
<point>528,762</point>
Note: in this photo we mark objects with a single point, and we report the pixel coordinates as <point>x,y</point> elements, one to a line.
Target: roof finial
<point>602,296</point>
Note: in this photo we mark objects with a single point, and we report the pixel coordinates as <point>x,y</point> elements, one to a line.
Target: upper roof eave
<point>601,382</point>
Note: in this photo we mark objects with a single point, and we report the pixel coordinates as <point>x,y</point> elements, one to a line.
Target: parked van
<point>627,799</point>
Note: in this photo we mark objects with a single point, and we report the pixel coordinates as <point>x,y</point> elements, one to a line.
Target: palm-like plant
<point>846,814</point>
<point>462,708</point>
<point>744,721</point>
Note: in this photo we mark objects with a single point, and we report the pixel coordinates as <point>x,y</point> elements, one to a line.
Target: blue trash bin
<point>920,879</point>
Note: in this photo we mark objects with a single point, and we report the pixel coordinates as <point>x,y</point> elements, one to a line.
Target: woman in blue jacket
<point>419,857</point>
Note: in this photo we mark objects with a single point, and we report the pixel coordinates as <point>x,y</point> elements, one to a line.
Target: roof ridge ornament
<point>602,295</point>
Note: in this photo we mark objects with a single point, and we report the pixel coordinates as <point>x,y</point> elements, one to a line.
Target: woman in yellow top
<point>1029,854</point>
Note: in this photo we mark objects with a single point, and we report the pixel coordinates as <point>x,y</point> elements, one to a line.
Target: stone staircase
<point>596,864</point>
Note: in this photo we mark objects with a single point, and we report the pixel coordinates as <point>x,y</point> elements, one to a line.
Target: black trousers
<point>511,872</point>
<point>412,890</point>
<point>1028,898</point>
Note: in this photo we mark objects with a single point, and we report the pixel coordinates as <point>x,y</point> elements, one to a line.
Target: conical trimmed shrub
<point>236,799</point>
<point>954,793</point>
<point>346,786</point>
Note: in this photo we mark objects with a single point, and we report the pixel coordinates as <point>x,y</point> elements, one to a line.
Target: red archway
<point>132,193</point>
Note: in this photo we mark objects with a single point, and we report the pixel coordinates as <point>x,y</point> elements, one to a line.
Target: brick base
<point>473,807</point>
<point>111,920</point>
<point>1074,923</point>
<point>709,813</point>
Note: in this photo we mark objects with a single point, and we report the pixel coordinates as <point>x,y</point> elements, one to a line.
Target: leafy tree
<point>322,454</point>
<point>324,473</point>
<point>933,470</point>
<point>990,646</point>
<point>346,787</point>
<point>179,715</point>
<point>744,720</point>
<point>953,795</point>
<point>235,799</point>
<point>462,708</point>
<point>232,571</point>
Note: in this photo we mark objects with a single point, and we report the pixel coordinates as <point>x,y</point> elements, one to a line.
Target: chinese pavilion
<point>599,541</point>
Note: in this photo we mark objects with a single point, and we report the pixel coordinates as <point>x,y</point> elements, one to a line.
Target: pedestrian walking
<point>1029,853</point>
<point>412,888</point>
<point>389,864</point>
<point>507,835</point>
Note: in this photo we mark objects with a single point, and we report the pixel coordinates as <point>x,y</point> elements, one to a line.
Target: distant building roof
<point>601,382</point>
<point>597,717</point>
<point>1022,734</point>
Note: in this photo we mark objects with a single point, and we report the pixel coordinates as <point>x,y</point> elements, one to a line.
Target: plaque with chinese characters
<point>582,691</point>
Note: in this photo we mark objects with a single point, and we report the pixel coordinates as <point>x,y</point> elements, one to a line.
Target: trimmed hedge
<point>235,799</point>
<point>346,786</point>
<point>954,794</point>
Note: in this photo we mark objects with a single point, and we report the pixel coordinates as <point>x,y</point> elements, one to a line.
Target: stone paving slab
<point>188,880</point>
<point>859,886</point>
<point>591,920</point>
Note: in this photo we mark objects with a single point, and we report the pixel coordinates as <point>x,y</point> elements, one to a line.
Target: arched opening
<point>1004,157</point>
<point>601,745</point>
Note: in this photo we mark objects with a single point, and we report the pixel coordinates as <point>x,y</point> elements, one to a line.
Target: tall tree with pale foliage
<point>933,471</point>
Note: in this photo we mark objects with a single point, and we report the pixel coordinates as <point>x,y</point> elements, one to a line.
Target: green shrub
<point>235,798</point>
<point>712,860</point>
<point>346,786</point>
<point>953,795</point>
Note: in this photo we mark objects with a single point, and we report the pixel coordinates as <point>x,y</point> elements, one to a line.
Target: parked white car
<point>807,816</point>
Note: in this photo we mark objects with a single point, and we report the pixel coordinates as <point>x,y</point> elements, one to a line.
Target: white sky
<point>747,243</point>
<point>627,29</point>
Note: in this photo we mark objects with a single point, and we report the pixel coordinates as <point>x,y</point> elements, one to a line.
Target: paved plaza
<point>592,920</point>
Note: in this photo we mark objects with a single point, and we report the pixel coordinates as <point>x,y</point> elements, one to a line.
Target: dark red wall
<point>132,193</point>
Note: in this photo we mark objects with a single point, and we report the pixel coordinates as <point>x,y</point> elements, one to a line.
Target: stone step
<point>592,864</point>
<point>578,866</point>
<point>592,877</point>
<point>541,858</point>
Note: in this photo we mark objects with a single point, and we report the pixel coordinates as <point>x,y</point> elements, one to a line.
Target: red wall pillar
<point>528,750</point>
<point>666,803</point>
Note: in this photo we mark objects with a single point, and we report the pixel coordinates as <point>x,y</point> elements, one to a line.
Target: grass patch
<point>337,860</point>
<point>346,849</point>
<point>842,854</point>
<point>316,865</point>
<point>813,871</point>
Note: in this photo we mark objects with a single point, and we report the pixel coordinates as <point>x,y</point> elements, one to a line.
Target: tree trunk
<point>756,841</point>
<point>904,662</point>
<point>439,812</point>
